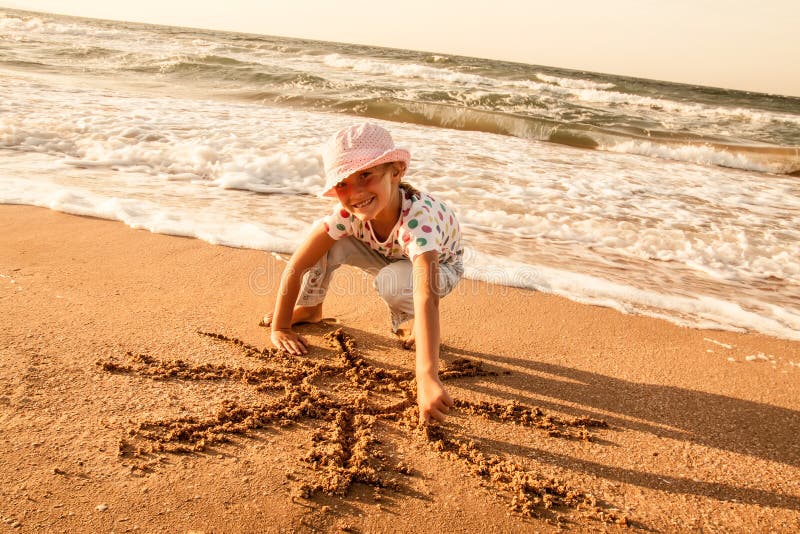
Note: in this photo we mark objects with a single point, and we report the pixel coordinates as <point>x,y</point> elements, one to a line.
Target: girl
<point>408,240</point>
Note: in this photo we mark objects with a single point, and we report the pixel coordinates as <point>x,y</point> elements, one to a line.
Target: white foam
<point>707,155</point>
<point>697,311</point>
<point>721,344</point>
<point>671,107</point>
<point>402,70</point>
<point>37,24</point>
<point>144,214</point>
<point>760,357</point>
<point>574,83</point>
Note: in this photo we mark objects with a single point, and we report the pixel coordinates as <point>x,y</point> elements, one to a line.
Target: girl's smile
<point>364,204</point>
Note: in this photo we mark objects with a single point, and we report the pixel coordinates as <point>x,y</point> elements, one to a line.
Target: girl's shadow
<point>744,427</point>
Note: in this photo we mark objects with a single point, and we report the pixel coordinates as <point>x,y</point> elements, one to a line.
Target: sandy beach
<point>104,363</point>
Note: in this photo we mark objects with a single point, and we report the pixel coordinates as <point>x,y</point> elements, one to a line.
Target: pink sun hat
<point>356,148</point>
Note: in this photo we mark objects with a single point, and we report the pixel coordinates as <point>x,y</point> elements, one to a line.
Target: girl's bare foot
<point>301,314</point>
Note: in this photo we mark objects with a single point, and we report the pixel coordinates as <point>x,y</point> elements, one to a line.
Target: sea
<point>669,200</point>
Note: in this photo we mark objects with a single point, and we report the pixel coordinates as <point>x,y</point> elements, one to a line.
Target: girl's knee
<point>394,282</point>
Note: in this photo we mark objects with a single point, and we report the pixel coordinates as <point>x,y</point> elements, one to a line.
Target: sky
<point>751,45</point>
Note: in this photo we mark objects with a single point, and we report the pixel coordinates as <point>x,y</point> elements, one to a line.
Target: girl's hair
<point>410,189</point>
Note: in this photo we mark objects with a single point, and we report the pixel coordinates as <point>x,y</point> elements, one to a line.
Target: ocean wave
<point>776,160</point>
<point>697,310</point>
<point>36,65</point>
<point>293,79</point>
<point>434,58</point>
<point>218,68</point>
<point>573,83</point>
<point>670,107</point>
<point>689,148</point>
<point>37,24</point>
<point>594,95</point>
<point>15,23</point>
<point>402,70</point>
<point>85,52</point>
<point>221,60</point>
<point>180,63</point>
<point>583,91</point>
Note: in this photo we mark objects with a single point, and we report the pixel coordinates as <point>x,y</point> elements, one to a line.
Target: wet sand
<point>138,393</point>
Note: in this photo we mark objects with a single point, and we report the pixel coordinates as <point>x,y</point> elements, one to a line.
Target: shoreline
<point>695,440</point>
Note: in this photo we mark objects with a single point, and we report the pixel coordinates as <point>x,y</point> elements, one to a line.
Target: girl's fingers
<point>436,414</point>
<point>286,344</point>
<point>296,344</point>
<point>447,400</point>
<point>299,347</point>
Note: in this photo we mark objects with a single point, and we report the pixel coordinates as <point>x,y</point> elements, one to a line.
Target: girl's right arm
<point>310,251</point>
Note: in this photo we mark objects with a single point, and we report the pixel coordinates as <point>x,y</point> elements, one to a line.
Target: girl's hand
<point>289,341</point>
<point>433,400</point>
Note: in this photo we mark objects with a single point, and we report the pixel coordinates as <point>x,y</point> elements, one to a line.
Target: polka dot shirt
<point>425,224</point>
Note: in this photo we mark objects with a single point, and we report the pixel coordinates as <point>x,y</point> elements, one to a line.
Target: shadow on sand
<point>744,427</point>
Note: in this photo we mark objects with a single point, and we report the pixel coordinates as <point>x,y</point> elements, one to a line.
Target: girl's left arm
<point>434,402</point>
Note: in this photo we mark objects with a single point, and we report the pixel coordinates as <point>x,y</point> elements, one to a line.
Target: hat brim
<point>395,154</point>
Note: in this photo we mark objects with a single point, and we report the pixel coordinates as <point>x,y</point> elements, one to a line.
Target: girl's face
<point>367,194</point>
